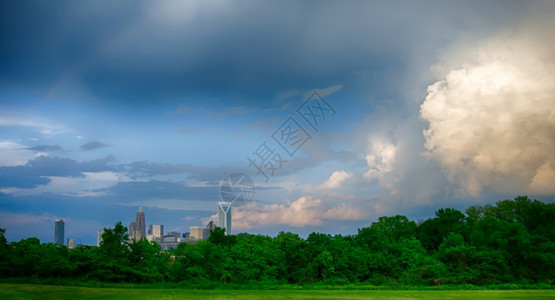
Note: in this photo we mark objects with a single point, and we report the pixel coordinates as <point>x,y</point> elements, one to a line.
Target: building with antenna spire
<point>137,229</point>
<point>224,216</point>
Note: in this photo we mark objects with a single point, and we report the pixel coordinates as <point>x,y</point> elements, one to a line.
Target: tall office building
<point>99,237</point>
<point>198,232</point>
<point>224,216</point>
<point>156,230</point>
<point>59,232</point>
<point>141,222</point>
<point>209,228</point>
<point>137,229</point>
<point>132,230</point>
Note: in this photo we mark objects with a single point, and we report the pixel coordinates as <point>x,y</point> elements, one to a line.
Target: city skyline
<point>155,231</point>
<point>338,112</point>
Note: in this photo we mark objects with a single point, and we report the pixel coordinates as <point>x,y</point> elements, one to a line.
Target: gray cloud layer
<point>93,145</point>
<point>125,50</point>
<point>45,148</point>
<point>36,171</point>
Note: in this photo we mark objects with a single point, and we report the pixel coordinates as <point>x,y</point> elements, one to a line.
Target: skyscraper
<point>198,232</point>
<point>156,230</point>
<point>132,230</point>
<point>224,216</point>
<point>137,229</point>
<point>99,237</point>
<point>209,228</point>
<point>59,232</point>
<point>141,222</point>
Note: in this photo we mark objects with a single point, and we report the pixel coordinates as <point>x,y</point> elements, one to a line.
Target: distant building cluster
<point>168,241</point>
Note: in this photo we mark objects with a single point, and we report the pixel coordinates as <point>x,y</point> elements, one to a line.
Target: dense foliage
<point>512,241</point>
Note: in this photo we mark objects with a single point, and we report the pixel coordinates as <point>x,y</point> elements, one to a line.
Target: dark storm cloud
<point>34,173</point>
<point>106,163</point>
<point>92,145</point>
<point>138,190</point>
<point>20,177</point>
<point>137,52</point>
<point>43,41</point>
<point>211,175</point>
<point>208,175</point>
<point>45,148</point>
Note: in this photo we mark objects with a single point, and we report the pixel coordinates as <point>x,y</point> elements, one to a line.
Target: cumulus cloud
<point>305,211</point>
<point>491,121</point>
<point>345,213</point>
<point>336,179</point>
<point>14,154</point>
<point>380,161</point>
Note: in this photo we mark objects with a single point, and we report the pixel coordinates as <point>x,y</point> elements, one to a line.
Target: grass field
<point>24,291</point>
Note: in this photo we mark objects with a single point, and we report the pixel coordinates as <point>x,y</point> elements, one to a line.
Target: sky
<point>339,111</point>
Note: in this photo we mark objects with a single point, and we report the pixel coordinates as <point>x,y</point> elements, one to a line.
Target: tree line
<point>512,241</point>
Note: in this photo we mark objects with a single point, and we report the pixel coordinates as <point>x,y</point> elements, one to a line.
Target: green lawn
<point>24,291</point>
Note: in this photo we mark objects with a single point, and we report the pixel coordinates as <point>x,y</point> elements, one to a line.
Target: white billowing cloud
<point>336,179</point>
<point>305,211</point>
<point>492,121</point>
<point>543,181</point>
<point>345,213</point>
<point>14,154</point>
<point>301,212</point>
<point>380,161</point>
